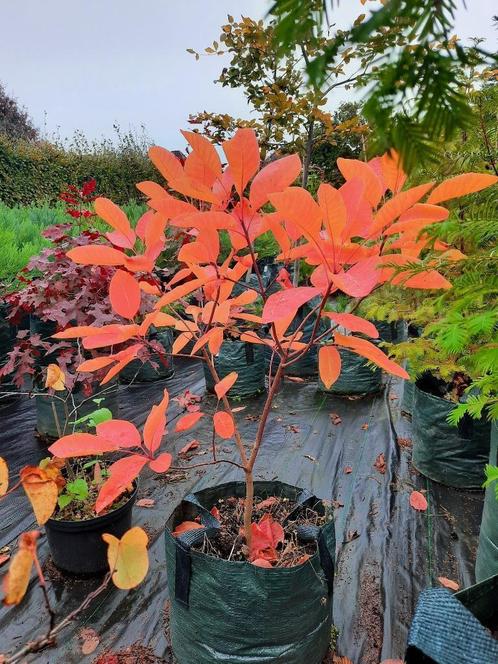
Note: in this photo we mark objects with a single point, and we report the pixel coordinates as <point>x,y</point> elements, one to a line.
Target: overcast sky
<point>87,64</point>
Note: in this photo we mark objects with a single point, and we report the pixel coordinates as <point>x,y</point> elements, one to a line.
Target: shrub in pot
<point>345,244</point>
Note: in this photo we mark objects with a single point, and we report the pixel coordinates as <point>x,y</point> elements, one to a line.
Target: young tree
<point>14,120</point>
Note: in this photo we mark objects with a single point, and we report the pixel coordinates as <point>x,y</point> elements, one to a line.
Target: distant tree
<point>14,120</point>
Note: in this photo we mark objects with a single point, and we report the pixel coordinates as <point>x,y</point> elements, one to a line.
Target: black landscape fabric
<point>387,553</point>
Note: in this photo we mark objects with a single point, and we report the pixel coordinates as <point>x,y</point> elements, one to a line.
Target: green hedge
<point>34,173</point>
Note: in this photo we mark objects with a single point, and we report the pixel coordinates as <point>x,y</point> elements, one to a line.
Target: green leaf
<point>64,500</point>
<point>491,476</point>
<point>78,488</point>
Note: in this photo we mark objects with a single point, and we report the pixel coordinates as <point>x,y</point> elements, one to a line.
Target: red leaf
<point>429,279</point>
<point>121,476</point>
<point>285,303</point>
<point>120,432</point>
<point>124,293</point>
<point>418,501</point>
<point>155,424</point>
<point>242,152</point>
<point>225,384</point>
<point>81,444</point>
<point>448,583</point>
<point>266,535</point>
<point>188,421</point>
<point>185,526</point>
<point>361,279</point>
<point>353,323</point>
<point>162,463</point>
<point>372,353</point>
<point>223,424</point>
<point>96,255</point>
<point>329,365</point>
<point>273,178</point>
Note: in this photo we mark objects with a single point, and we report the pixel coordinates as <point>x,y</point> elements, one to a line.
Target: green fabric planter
<point>454,456</point>
<point>248,360</point>
<point>487,553</point>
<point>225,612</point>
<point>144,372</point>
<point>392,332</point>
<point>408,396</point>
<point>356,377</point>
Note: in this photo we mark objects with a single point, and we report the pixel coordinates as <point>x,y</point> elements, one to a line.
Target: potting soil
<point>386,554</point>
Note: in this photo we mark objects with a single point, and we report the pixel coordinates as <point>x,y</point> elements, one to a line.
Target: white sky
<point>87,64</point>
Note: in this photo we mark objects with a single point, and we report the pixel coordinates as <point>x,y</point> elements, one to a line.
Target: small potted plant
<point>260,522</point>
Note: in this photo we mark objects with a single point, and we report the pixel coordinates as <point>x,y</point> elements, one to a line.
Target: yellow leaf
<point>55,378</point>
<point>4,477</point>
<point>128,559</point>
<point>17,578</point>
<point>41,490</point>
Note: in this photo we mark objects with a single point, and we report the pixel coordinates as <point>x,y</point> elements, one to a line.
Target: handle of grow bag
<point>183,563</point>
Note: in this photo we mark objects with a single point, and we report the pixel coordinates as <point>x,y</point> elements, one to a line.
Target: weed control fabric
<point>354,453</point>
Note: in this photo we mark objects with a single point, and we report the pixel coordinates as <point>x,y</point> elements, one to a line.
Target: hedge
<point>34,173</point>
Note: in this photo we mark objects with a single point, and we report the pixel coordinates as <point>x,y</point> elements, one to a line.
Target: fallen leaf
<point>311,458</point>
<point>364,427</point>
<point>448,583</point>
<point>393,397</point>
<point>303,559</point>
<point>268,502</point>
<point>193,445</point>
<point>380,463</point>
<point>127,557</point>
<point>186,526</point>
<point>261,562</point>
<point>348,470</point>
<point>336,504</point>
<point>418,501</point>
<point>89,640</point>
<point>145,502</point>
<point>351,535</point>
<point>336,419</point>
<point>294,379</point>
<point>267,534</point>
<point>238,409</point>
<point>405,442</point>
<point>215,512</point>
<point>341,660</point>
<point>16,581</point>
<point>4,477</point>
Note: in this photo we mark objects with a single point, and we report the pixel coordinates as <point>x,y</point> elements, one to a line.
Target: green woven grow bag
<point>247,360</point>
<point>487,554</point>
<point>454,456</point>
<point>393,332</point>
<point>408,396</point>
<point>145,372</point>
<point>356,377</point>
<point>225,612</point>
<point>452,629</point>
<point>45,421</point>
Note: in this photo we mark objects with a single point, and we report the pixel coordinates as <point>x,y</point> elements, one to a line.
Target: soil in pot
<point>224,610</point>
<point>452,455</point>
<point>75,532</point>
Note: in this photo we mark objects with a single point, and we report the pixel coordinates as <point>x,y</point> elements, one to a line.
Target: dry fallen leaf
<point>294,379</point>
<point>336,419</point>
<point>380,463</point>
<point>341,660</point>
<point>185,526</point>
<point>193,445</point>
<point>418,501</point>
<point>145,502</point>
<point>16,580</point>
<point>4,477</point>
<point>405,442</point>
<point>448,583</point>
<point>351,535</point>
<point>268,502</point>
<point>89,640</point>
<point>364,426</point>
<point>348,470</point>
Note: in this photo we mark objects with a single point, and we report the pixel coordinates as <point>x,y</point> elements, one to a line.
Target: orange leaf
<point>298,206</point>
<point>42,491</point>
<point>121,475</point>
<point>185,526</point>
<point>424,280</point>
<point>179,292</point>
<point>96,255</point>
<point>225,384</point>
<point>353,323</point>
<point>334,211</point>
<point>166,163</point>
<point>392,171</point>
<point>354,168</point>
<point>161,463</point>
<point>448,583</point>
<point>461,185</point>
<point>274,177</point>
<point>206,152</point>
<point>371,352</point>
<point>359,280</point>
<point>4,477</point>
<point>329,365</point>
<point>120,432</point>
<point>127,557</point>
<point>95,364</point>
<point>261,562</point>
<point>115,217</point>
<point>193,445</point>
<point>124,293</point>
<point>242,152</point>
<point>397,205</point>
<point>16,580</point>
<point>267,534</point>
<point>110,335</point>
<point>56,378</point>
<point>155,424</point>
<point>223,424</point>
<point>285,303</point>
<point>187,421</point>
<point>418,501</point>
<point>81,444</point>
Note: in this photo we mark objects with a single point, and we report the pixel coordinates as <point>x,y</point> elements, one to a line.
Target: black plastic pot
<point>77,547</point>
<point>247,360</point>
<point>487,553</point>
<point>144,372</point>
<point>454,456</point>
<point>452,629</point>
<point>45,404</point>
<point>356,378</point>
<point>225,612</point>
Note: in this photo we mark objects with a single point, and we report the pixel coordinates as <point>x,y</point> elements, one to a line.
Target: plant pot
<point>487,553</point>
<point>77,547</point>
<point>45,404</point>
<point>7,334</point>
<point>454,456</point>
<point>392,332</point>
<point>144,372</point>
<point>408,396</point>
<point>356,377</point>
<point>236,613</point>
<point>244,358</point>
<point>452,629</point>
